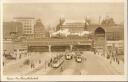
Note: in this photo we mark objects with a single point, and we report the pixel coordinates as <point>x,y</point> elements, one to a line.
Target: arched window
<point>99,30</point>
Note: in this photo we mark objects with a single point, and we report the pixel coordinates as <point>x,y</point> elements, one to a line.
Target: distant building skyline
<point>50,13</point>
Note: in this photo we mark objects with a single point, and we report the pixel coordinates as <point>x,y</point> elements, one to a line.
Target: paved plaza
<point>91,65</point>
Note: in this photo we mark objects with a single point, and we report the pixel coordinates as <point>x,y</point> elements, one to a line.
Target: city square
<point>70,44</point>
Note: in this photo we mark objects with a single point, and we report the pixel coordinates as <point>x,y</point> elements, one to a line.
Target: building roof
<point>39,26</point>
<point>72,26</point>
<point>24,18</point>
<point>113,28</point>
<point>69,21</point>
<point>73,23</point>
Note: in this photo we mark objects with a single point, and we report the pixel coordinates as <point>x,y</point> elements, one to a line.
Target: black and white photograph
<point>63,39</point>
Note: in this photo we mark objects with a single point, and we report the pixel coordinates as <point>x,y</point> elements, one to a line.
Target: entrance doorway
<point>100,39</point>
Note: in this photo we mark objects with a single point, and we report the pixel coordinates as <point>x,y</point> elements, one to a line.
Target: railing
<point>55,41</point>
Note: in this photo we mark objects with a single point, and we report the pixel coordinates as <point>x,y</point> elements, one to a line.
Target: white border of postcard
<point>69,77</point>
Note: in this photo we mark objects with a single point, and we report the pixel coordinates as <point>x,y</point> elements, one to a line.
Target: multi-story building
<point>74,26</point>
<point>12,29</point>
<point>108,38</point>
<point>112,33</point>
<point>115,33</point>
<point>39,30</point>
<point>28,24</point>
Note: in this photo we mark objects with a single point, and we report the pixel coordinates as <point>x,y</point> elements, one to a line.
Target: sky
<point>50,13</point>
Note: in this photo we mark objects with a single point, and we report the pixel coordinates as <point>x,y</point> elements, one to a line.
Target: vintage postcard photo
<point>46,40</point>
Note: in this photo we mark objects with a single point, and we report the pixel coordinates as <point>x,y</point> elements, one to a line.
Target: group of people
<point>98,51</point>
<point>112,54</point>
<point>33,64</point>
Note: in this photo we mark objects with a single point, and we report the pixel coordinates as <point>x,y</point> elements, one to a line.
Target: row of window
<point>27,21</point>
<point>27,32</point>
<point>27,28</point>
<point>114,36</point>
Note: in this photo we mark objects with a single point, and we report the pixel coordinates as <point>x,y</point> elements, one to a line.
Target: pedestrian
<point>39,61</point>
<point>51,60</point>
<point>20,56</point>
<point>108,54</point>
<point>49,64</point>
<point>118,62</point>
<point>62,69</point>
<point>97,52</point>
<point>31,65</point>
<point>110,59</point>
<point>3,63</point>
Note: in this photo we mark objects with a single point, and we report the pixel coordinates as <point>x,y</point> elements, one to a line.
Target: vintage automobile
<point>68,56</point>
<point>78,59</point>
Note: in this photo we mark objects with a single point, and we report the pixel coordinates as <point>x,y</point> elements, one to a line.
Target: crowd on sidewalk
<point>109,54</point>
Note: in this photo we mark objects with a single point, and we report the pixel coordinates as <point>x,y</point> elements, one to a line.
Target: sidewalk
<point>17,67</point>
<point>41,68</point>
<point>39,71</point>
<point>117,67</point>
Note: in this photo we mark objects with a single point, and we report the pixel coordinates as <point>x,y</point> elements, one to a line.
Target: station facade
<point>102,38</point>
